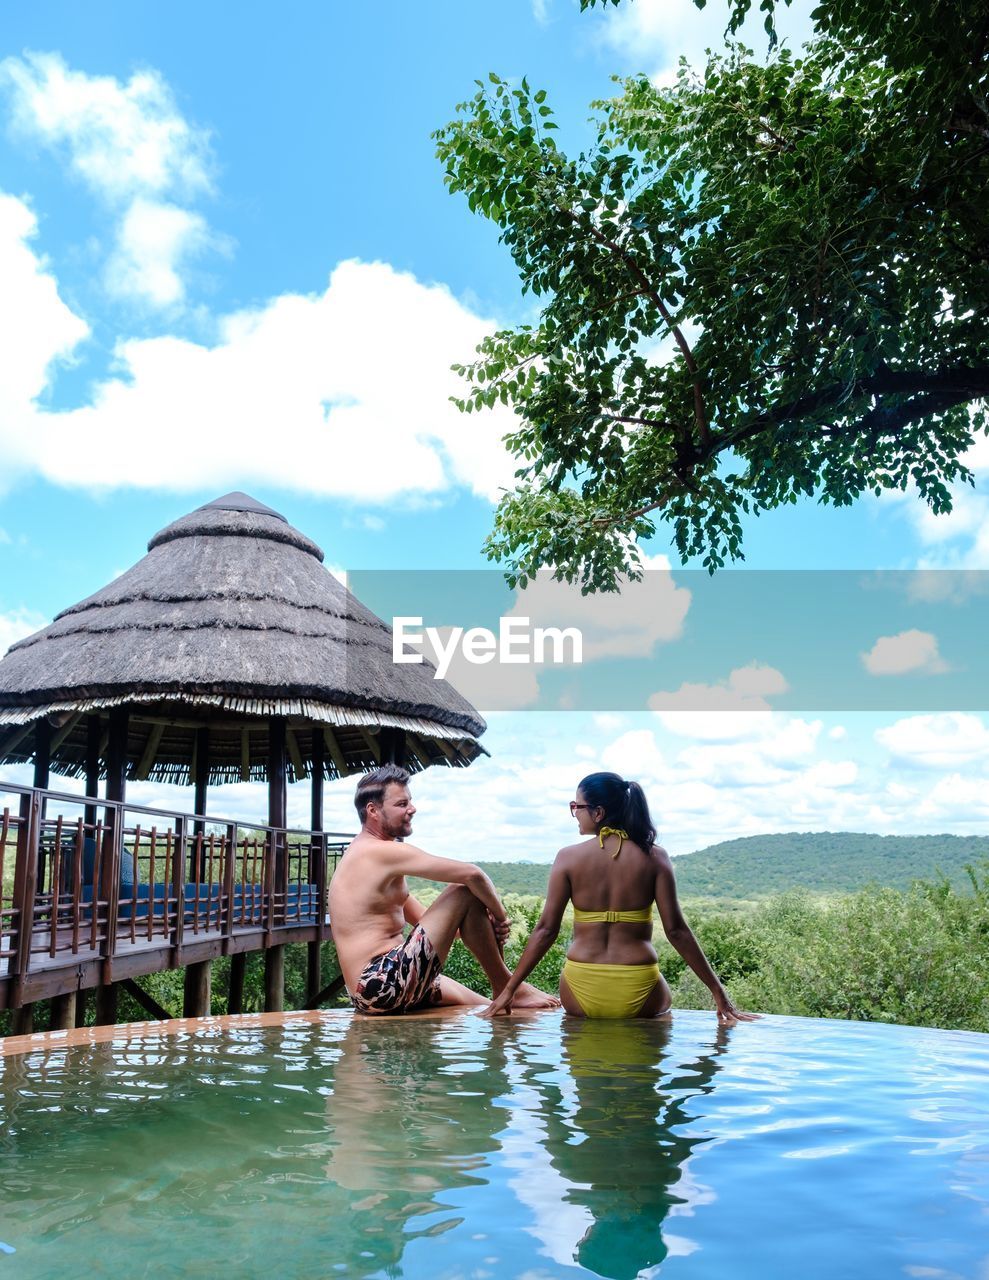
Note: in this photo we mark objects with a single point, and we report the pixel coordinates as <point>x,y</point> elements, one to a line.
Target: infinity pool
<point>538,1147</point>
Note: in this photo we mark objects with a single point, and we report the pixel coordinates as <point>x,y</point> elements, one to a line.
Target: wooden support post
<point>235,992</point>
<point>22,1020</point>
<point>94,734</point>
<point>274,979</point>
<point>42,753</point>
<point>392,745</point>
<point>318,751</point>
<point>196,999</point>
<point>277,772</point>
<point>27,859</point>
<point>82,1002</point>
<point>113,846</point>
<point>63,1011</point>
<point>42,774</point>
<point>116,754</point>
<point>277,800</point>
<point>201,779</point>
<point>106,1004</point>
<point>317,860</point>
<point>314,964</point>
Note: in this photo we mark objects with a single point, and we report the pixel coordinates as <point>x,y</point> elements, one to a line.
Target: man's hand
<point>502,928</point>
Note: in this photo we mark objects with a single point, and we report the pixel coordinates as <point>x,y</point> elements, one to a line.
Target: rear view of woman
<point>613,877</point>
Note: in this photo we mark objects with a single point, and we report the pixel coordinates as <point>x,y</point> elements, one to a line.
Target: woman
<point>613,877</point>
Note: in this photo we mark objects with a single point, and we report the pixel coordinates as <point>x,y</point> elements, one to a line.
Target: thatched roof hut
<point>229,623</point>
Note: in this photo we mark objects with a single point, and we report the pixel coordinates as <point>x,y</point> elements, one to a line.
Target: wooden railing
<point>93,891</point>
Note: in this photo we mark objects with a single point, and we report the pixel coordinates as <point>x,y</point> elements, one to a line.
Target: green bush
<point>919,957</point>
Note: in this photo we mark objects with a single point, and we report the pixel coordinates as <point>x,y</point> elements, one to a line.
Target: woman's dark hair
<point>624,805</point>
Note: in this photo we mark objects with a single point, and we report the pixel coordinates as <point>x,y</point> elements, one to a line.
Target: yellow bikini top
<point>642,914</point>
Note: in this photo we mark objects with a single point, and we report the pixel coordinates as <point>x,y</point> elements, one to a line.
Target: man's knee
<point>456,895</point>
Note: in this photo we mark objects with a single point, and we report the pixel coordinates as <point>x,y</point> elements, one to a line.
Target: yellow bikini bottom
<point>610,990</point>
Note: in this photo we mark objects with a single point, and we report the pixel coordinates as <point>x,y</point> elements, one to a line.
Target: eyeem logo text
<point>515,642</point>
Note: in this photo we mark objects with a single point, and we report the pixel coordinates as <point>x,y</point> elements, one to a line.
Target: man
<point>370,904</point>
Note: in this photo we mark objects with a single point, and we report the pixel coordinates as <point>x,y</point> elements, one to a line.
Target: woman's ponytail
<point>637,822</point>
<point>624,804</point>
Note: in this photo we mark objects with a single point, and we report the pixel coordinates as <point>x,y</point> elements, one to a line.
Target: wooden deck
<point>96,892</point>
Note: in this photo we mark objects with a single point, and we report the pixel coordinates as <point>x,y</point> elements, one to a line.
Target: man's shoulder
<point>393,853</point>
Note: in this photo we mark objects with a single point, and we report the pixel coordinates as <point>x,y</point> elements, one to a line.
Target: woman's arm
<point>681,937</point>
<point>540,940</point>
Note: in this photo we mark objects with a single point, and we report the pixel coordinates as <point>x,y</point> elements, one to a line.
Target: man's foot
<point>530,997</point>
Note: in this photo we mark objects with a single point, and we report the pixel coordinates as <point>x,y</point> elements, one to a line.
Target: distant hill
<point>824,862</point>
<point>820,862</point>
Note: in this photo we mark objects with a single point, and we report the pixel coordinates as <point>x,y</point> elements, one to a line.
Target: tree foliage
<point>767,282</point>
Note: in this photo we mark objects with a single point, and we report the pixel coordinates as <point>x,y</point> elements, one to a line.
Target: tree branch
<point>931,392</point>
<point>963,382</point>
<point>700,413</point>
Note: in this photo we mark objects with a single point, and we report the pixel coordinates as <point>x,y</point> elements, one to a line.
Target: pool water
<point>535,1147</point>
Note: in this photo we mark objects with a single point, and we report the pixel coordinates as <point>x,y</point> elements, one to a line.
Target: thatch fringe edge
<point>320,712</point>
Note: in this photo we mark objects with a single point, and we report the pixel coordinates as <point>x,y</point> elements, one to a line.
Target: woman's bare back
<point>600,881</point>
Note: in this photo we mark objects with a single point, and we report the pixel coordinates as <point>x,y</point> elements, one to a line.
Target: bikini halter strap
<point>613,831</point>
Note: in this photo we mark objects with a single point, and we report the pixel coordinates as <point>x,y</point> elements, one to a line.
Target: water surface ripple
<point>533,1147</point>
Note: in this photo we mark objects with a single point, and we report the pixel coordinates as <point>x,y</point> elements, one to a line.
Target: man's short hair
<point>372,786</point>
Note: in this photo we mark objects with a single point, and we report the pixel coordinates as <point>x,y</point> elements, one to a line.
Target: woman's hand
<point>500,1004</point>
<point>728,1014</point>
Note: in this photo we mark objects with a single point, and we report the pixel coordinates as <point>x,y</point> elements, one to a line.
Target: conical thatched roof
<point>230,619</point>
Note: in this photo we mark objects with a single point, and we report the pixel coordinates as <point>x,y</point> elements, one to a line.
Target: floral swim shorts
<point>400,980</point>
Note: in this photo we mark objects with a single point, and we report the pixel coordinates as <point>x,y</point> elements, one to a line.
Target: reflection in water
<point>410,1117</point>
<point>352,1147</point>
<point>615,1130</point>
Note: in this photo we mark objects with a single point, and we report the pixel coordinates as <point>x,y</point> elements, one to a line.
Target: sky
<point>228,261</point>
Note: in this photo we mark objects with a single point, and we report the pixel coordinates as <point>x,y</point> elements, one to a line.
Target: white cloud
<point>626,624</point>
<point>119,138</point>
<point>37,329</point>
<point>732,710</point>
<point>956,799</point>
<point>947,740</point>
<point>652,35</point>
<point>156,241</point>
<point>18,623</point>
<point>952,586</point>
<point>343,393</point>
<point>130,145</point>
<point>908,651</point>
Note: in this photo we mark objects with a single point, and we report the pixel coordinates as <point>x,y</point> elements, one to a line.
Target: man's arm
<point>405,859</point>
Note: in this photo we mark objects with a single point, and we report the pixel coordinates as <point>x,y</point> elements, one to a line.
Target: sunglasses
<point>574,806</point>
